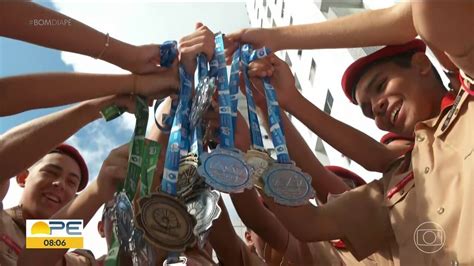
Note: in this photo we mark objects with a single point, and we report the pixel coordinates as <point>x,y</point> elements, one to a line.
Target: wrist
<point>295,101</point>
<point>93,193</point>
<point>120,54</point>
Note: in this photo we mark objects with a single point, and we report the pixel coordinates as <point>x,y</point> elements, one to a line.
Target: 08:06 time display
<point>53,243</point>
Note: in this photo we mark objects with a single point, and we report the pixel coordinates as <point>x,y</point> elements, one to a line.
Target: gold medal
<point>166,222</point>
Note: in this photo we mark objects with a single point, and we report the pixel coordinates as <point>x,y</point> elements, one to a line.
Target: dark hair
<point>402,60</point>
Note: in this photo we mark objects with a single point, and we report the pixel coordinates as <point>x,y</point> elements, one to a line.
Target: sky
<point>135,22</point>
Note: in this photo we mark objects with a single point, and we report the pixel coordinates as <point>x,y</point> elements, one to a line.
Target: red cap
<point>344,173</point>
<point>74,154</point>
<point>389,137</point>
<point>355,70</point>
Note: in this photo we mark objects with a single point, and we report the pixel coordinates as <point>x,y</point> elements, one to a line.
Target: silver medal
<point>226,170</point>
<point>123,216</point>
<point>288,185</point>
<point>202,100</point>
<point>202,205</point>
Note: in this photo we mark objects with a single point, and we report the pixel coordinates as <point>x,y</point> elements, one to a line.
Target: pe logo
<point>54,233</point>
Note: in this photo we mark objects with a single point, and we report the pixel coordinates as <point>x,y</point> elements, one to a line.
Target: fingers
<point>261,68</point>
<point>200,41</point>
<point>126,101</point>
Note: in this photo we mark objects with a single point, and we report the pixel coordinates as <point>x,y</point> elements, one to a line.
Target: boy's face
<point>50,185</point>
<point>397,98</point>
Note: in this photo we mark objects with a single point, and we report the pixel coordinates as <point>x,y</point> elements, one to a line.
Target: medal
<point>282,180</point>
<point>165,222</point>
<point>123,216</point>
<point>259,161</point>
<point>202,205</point>
<point>202,100</point>
<point>188,176</point>
<point>225,170</point>
<point>288,185</point>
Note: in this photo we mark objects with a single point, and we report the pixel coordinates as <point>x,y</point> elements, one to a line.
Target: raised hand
<point>200,41</point>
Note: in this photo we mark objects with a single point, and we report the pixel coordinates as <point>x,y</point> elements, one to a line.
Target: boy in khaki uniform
<point>402,99</point>
<point>67,172</point>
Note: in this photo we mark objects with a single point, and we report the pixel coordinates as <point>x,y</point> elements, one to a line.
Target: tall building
<point>318,72</point>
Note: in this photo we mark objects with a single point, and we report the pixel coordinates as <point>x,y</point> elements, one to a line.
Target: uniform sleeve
<point>362,218</point>
<point>80,257</point>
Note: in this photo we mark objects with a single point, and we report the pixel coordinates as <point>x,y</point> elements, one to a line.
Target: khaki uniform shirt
<point>12,241</point>
<point>421,210</point>
<point>443,165</point>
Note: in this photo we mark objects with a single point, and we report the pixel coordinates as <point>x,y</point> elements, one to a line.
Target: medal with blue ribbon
<point>224,168</point>
<point>162,216</point>
<point>283,181</point>
<point>256,157</point>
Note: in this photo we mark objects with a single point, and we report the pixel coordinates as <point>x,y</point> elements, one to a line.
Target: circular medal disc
<point>288,185</point>
<point>225,170</point>
<point>165,222</point>
<point>202,100</point>
<point>202,204</point>
<point>123,215</point>
<point>187,175</point>
<point>259,161</point>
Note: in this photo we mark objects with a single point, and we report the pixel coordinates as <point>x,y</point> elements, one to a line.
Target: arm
<point>307,223</point>
<point>14,158</point>
<point>224,240</point>
<point>17,21</point>
<point>323,181</point>
<point>443,25</point>
<point>351,31</point>
<point>85,205</point>
<point>348,140</point>
<point>65,88</point>
<point>258,218</point>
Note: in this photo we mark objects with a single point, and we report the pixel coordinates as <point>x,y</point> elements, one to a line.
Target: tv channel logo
<point>429,237</point>
<point>54,233</point>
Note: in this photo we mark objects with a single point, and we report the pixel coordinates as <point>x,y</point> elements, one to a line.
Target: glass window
<point>328,103</point>
<point>312,71</point>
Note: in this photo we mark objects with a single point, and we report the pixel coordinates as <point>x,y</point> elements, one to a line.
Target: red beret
<point>355,70</point>
<point>344,173</point>
<point>74,154</point>
<point>389,137</point>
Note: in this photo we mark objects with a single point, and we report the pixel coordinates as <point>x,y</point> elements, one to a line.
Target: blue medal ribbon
<point>234,84</point>
<point>274,117</point>
<point>254,127</point>
<point>178,136</point>
<point>226,133</point>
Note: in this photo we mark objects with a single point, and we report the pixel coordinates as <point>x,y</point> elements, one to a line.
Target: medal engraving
<point>288,185</point>
<point>225,170</point>
<point>166,222</point>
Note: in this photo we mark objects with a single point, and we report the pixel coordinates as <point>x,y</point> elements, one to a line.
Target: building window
<point>273,23</point>
<point>258,13</point>
<point>297,84</point>
<point>254,4</point>
<point>261,23</point>
<point>320,147</point>
<point>300,53</point>
<point>269,13</point>
<point>288,60</point>
<point>291,20</point>
<point>276,2</point>
<point>348,160</point>
<point>312,71</point>
<point>282,9</point>
<point>264,3</point>
<point>328,103</point>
